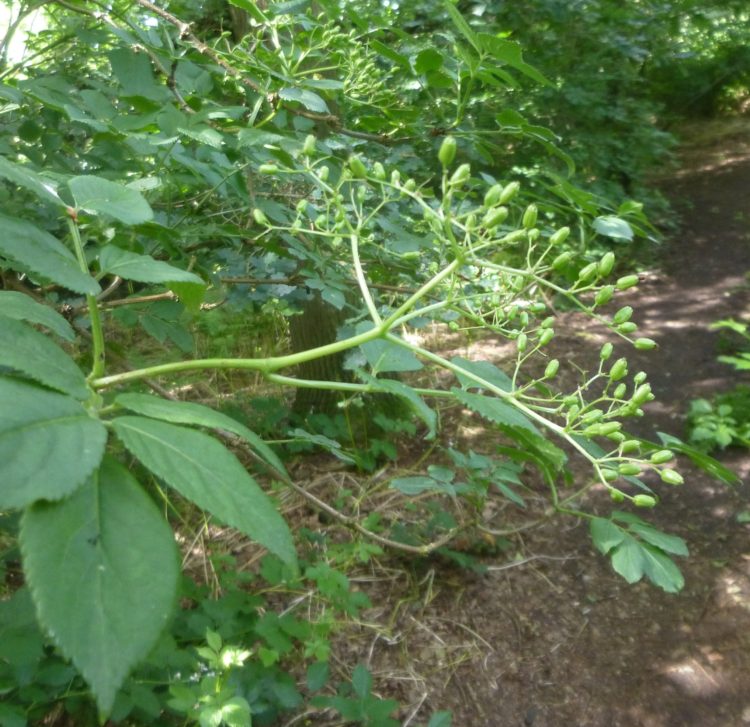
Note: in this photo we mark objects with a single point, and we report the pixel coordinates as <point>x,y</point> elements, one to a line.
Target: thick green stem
<point>97,333</point>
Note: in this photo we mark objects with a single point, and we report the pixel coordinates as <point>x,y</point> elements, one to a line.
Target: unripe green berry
<point>640,377</point>
<point>530,216</point>
<point>548,322</point>
<point>604,295</point>
<point>627,327</point>
<point>644,344</point>
<point>588,272</point>
<point>620,391</point>
<point>628,281</point>
<point>447,152</point>
<point>592,416</point>
<point>395,177</point>
<point>509,191</point>
<point>642,394</point>
<point>521,342</point>
<point>546,336</point>
<point>492,195</point>
<point>302,206</point>
<point>606,264</point>
<point>552,368</point>
<point>629,468</point>
<point>671,477</point>
<point>662,456</point>
<point>260,217</point>
<point>631,445</point>
<point>610,427</point>
<point>619,369</point>
<point>323,173</point>
<point>359,171</point>
<point>378,171</point>
<point>644,501</point>
<point>268,169</point>
<point>309,148</point>
<point>622,315</point>
<point>616,495</point>
<point>609,475</point>
<point>606,351</point>
<point>410,185</point>
<point>495,217</point>
<point>561,260</point>
<point>560,236</point>
<point>461,174</point>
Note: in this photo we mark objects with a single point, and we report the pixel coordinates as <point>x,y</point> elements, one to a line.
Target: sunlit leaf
<point>99,196</point>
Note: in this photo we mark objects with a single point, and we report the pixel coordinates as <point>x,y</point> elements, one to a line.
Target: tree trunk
<point>317,326</point>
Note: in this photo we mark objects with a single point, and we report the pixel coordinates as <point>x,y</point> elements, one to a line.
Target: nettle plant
<point>134,183</point>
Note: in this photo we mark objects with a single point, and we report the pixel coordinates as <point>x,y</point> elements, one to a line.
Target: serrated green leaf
<point>461,24</point>
<point>510,52</point>
<point>252,8</point>
<point>27,350</point>
<point>495,410</point>
<point>417,485</point>
<point>484,370</point>
<point>185,412</point>
<point>428,60</point>
<point>143,268</point>
<point>320,440</point>
<point>48,444</point>
<point>385,356</point>
<point>208,474</point>
<point>317,675</point>
<point>21,641</point>
<point>661,570</point>
<point>30,180</point>
<point>22,307</point>
<point>628,560</point>
<point>392,386</point>
<point>37,252</point>
<point>308,99</point>
<point>103,569</point>
<point>668,543</point>
<point>605,534</point>
<point>97,195</point>
<point>361,681</point>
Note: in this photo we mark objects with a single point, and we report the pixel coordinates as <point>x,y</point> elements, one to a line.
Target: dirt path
<point>563,640</point>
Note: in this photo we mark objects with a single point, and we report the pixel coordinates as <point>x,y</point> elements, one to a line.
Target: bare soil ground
<point>553,636</point>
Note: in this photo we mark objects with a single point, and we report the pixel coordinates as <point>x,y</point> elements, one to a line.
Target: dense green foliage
<point>164,165</point>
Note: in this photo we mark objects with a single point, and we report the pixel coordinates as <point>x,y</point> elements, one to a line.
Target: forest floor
<point>553,636</point>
